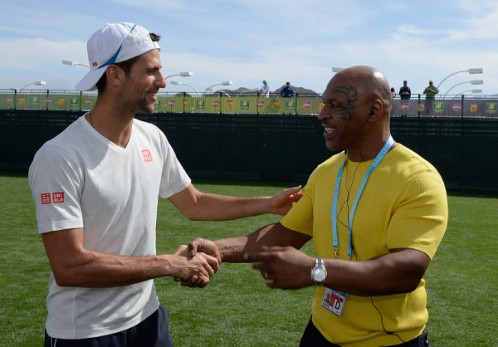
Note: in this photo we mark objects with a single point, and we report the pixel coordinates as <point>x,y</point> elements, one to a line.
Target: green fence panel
<point>7,101</point>
<point>272,105</point>
<point>68,102</point>
<point>309,105</point>
<point>243,105</point>
<point>31,101</point>
<point>170,104</point>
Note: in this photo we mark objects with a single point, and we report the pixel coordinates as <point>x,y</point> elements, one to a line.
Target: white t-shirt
<point>265,90</point>
<point>81,179</point>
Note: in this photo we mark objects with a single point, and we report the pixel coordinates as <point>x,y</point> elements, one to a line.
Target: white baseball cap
<point>112,44</point>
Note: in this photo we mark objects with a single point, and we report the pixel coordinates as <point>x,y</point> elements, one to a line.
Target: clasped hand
<point>196,270</point>
<point>281,267</point>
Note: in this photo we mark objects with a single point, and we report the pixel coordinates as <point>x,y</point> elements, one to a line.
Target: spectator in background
<point>287,91</point>
<point>405,93</point>
<point>265,90</point>
<point>430,94</point>
<point>393,92</point>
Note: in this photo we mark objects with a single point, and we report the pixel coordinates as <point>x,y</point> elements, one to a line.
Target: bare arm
<point>235,249</point>
<point>273,250</point>
<point>75,266</point>
<point>196,205</point>
<point>399,271</point>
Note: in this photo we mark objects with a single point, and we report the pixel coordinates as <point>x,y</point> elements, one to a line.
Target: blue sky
<point>246,41</point>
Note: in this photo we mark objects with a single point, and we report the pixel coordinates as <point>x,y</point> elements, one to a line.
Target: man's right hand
<point>205,246</point>
<point>195,270</point>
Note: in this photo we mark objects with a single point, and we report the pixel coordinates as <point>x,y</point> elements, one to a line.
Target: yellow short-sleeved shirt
<point>403,205</point>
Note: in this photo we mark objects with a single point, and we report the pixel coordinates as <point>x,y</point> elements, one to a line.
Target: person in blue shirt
<point>287,91</point>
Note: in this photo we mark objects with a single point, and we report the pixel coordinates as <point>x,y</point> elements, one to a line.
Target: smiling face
<point>142,84</point>
<point>343,114</point>
<point>356,111</point>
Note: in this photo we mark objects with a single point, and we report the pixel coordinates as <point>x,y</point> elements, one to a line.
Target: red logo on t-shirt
<point>58,197</point>
<point>49,198</point>
<point>45,198</point>
<point>147,155</point>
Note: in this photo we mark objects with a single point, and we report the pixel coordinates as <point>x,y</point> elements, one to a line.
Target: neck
<point>367,150</point>
<point>110,125</point>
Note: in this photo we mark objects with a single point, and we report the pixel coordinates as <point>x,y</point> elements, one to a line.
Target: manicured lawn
<point>236,309</point>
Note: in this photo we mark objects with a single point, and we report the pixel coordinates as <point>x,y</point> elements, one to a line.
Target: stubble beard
<point>146,108</point>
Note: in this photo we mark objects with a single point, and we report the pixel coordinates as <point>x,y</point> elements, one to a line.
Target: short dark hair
<point>125,65</point>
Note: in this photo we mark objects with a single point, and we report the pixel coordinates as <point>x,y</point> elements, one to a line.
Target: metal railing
<point>228,102</point>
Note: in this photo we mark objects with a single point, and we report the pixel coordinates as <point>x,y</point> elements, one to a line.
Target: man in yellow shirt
<point>430,94</point>
<point>376,212</point>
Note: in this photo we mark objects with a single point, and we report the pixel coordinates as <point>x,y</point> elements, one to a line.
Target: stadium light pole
<point>473,82</point>
<point>471,71</point>
<point>74,63</point>
<point>35,83</point>
<point>224,83</point>
<point>176,83</point>
<point>180,74</point>
<point>337,69</point>
<point>254,90</point>
<point>221,91</point>
<point>473,91</point>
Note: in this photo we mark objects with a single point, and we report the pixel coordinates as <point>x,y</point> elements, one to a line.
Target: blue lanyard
<point>378,158</point>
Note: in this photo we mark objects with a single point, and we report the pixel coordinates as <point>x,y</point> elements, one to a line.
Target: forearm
<point>196,205</point>
<point>397,272</point>
<point>219,207</point>
<point>92,269</point>
<point>234,250</point>
<point>389,274</point>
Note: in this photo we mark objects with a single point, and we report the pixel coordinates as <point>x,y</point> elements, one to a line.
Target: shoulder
<point>328,168</point>
<point>148,129</point>
<point>65,142</point>
<point>411,165</point>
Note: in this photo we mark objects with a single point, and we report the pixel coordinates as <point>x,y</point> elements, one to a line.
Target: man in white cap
<point>96,186</point>
<point>265,89</point>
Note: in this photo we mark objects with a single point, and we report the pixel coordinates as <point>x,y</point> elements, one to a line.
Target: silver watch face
<point>319,274</point>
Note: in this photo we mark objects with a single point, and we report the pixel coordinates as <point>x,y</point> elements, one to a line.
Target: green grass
<point>236,309</point>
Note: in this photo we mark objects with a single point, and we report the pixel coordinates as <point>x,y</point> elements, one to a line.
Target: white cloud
<point>35,54</point>
<point>249,40</point>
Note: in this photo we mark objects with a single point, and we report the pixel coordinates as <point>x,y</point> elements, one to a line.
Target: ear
<point>375,111</point>
<point>115,75</point>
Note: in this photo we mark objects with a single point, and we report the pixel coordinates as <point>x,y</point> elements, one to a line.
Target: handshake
<point>272,249</point>
<point>282,266</point>
<point>201,261</point>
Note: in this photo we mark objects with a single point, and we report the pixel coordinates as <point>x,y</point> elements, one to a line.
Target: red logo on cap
<point>95,63</point>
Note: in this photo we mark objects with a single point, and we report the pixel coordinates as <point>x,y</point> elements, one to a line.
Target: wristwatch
<point>318,272</point>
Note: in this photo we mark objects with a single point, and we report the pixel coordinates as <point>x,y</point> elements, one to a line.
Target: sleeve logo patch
<point>52,198</point>
<point>147,155</point>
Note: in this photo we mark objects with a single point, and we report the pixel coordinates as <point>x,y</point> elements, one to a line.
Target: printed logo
<point>58,197</point>
<point>45,198</point>
<point>52,198</point>
<point>147,155</point>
